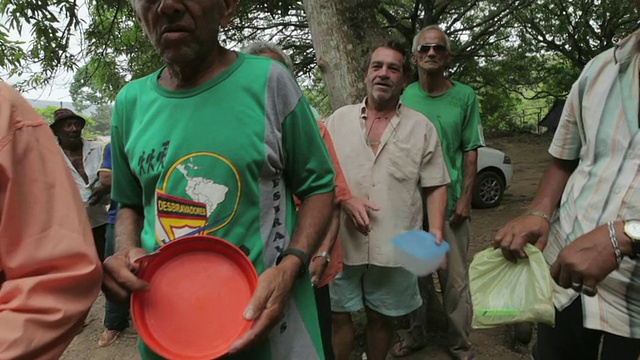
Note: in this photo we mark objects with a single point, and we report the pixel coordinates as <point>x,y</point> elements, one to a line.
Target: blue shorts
<point>391,291</point>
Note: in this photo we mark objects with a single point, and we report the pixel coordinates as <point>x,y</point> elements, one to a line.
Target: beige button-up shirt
<point>409,158</point>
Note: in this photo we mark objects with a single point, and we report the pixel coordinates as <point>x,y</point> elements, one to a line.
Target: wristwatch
<point>632,230</point>
<point>297,253</point>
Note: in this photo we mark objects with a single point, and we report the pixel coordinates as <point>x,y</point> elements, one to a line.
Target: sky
<point>58,89</point>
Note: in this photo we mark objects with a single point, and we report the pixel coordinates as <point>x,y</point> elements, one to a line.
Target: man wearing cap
<point>83,159</point>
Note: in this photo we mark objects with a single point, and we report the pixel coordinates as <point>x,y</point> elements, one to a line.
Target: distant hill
<point>41,104</point>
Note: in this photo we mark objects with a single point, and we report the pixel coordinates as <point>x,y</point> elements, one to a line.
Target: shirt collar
<point>363,108</point>
<point>627,48</point>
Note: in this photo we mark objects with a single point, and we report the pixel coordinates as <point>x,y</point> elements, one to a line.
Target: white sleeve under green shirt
<point>226,157</point>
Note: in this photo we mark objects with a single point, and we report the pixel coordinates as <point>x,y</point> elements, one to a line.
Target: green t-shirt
<point>226,156</point>
<point>456,117</point>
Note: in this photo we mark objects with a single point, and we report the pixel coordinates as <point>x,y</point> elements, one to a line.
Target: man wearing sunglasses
<point>453,109</point>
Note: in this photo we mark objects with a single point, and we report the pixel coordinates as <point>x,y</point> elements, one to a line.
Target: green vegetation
<point>92,128</point>
<point>518,54</point>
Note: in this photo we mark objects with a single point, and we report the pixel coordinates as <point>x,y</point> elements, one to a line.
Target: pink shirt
<point>342,193</point>
<point>49,270</point>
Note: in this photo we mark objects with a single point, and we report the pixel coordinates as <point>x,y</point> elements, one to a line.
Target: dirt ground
<point>529,156</point>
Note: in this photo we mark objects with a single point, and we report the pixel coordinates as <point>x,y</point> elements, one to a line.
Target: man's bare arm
<point>314,217</point>
<point>319,265</point>
<point>269,301</point>
<point>533,227</point>
<point>552,185</point>
<point>332,231</point>
<point>469,170</point>
<point>436,207</point>
<point>97,193</point>
<point>105,178</point>
<point>119,269</point>
<point>128,227</point>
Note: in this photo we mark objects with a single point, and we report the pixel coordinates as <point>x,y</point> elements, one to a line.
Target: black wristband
<point>297,253</point>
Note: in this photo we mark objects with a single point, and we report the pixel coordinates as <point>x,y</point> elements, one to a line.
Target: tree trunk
<point>343,33</point>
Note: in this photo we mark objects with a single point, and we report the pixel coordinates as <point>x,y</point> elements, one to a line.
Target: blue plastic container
<point>417,251</point>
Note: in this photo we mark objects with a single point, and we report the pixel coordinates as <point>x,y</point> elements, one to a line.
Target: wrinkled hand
<point>438,235</point>
<point>524,229</point>
<point>97,194</point>
<point>358,212</point>
<point>119,278</point>
<point>460,212</point>
<point>584,263</point>
<point>316,269</point>
<point>267,305</point>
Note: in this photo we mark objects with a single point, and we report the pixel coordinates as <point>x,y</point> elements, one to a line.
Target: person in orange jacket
<point>49,269</point>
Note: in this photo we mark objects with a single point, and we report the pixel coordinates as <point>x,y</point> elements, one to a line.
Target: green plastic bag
<point>506,293</point>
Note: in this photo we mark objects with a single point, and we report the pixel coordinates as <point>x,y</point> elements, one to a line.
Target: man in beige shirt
<point>389,154</point>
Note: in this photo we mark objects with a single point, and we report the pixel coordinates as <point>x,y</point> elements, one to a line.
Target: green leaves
<point>52,25</point>
<point>47,113</point>
<point>509,50</point>
<point>116,50</point>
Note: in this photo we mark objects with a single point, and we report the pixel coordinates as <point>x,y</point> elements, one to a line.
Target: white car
<point>493,178</point>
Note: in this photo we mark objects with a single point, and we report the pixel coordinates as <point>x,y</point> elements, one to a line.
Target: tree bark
<point>343,33</point>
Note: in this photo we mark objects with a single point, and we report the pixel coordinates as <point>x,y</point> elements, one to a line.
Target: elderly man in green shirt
<point>453,108</point>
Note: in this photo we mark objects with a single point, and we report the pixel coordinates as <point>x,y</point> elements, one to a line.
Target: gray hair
<point>414,47</point>
<point>261,47</point>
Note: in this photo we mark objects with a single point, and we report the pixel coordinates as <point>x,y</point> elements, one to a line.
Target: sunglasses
<point>426,48</point>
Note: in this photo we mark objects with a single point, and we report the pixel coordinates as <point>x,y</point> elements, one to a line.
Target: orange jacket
<point>49,270</point>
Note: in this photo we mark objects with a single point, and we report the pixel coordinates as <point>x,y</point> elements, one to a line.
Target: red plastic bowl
<point>199,287</point>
